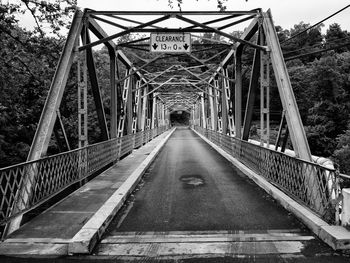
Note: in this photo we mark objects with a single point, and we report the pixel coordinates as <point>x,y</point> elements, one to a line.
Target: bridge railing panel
<point>310,184</point>
<point>101,154</point>
<point>57,172</point>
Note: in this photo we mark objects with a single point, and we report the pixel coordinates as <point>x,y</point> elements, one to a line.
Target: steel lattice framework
<point>146,87</point>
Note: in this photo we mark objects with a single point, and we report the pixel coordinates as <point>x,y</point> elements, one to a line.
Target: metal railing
<point>19,193</point>
<point>310,184</point>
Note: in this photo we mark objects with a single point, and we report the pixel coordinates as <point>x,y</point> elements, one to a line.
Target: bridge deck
<point>192,202</point>
<point>54,230</point>
<point>191,187</point>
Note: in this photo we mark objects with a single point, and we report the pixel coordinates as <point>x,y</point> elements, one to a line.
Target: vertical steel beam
<point>224,107</point>
<point>114,104</point>
<point>264,96</point>
<point>82,95</point>
<point>137,107</point>
<point>212,108</point>
<point>228,103</point>
<point>238,93</point>
<point>204,118</point>
<point>253,88</point>
<point>218,104</point>
<point>149,113</point>
<point>124,100</point>
<point>164,115</point>
<point>248,34</point>
<point>129,105</point>
<point>144,108</point>
<point>154,110</point>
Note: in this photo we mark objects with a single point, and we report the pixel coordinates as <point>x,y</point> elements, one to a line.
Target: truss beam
<point>296,128</point>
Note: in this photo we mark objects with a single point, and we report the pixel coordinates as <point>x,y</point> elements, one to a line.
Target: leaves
<point>28,60</point>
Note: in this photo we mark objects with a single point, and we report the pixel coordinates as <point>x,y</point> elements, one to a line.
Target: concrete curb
<point>336,237</point>
<point>84,241</point>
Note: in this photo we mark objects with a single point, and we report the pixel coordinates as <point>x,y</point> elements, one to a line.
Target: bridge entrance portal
<point>180,118</point>
<point>159,62</point>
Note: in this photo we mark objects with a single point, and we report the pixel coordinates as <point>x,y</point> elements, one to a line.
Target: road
<point>193,203</point>
<point>194,206</point>
<point>190,187</point>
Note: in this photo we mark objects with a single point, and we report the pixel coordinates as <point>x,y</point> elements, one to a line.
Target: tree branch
<point>7,32</point>
<point>35,18</point>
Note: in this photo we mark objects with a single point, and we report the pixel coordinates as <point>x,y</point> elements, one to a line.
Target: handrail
<point>302,180</point>
<point>57,172</point>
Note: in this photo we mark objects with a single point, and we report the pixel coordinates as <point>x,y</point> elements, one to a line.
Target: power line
<point>316,52</point>
<point>335,41</point>
<point>298,34</point>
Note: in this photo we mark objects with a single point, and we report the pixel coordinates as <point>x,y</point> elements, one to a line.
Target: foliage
<point>321,82</point>
<point>28,60</point>
<point>305,42</point>
<point>342,152</point>
<point>220,4</point>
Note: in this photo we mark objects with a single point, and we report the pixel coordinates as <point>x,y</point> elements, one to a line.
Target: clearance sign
<point>171,42</point>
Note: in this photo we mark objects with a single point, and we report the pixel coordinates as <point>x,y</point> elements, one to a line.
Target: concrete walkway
<point>75,224</point>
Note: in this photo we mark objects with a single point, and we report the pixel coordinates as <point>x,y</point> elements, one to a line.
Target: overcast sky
<point>286,13</point>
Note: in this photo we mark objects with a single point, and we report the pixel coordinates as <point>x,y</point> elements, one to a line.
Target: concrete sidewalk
<point>76,223</point>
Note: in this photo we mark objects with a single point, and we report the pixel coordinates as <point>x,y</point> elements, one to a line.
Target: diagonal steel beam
<point>295,125</point>
<point>134,70</point>
<point>201,80</point>
<point>48,117</point>
<point>218,20</point>
<point>149,81</point>
<point>128,31</point>
<point>130,20</point>
<point>96,91</point>
<point>97,30</point>
<point>49,114</point>
<point>237,22</point>
<point>109,22</point>
<point>155,89</point>
<point>240,40</point>
<point>253,89</point>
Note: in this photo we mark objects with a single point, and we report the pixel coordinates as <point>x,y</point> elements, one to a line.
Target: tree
<point>329,91</point>
<point>220,4</point>
<point>335,36</point>
<point>28,60</point>
<point>342,152</point>
<point>301,41</point>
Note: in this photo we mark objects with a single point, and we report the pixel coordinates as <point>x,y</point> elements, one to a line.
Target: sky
<point>286,13</point>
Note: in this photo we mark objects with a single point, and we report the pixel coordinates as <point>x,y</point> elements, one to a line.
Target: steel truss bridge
<point>147,87</point>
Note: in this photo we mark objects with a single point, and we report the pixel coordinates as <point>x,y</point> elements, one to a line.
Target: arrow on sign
<point>155,46</point>
<point>186,46</point>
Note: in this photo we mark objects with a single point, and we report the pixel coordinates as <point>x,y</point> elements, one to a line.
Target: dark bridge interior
<point>179,118</point>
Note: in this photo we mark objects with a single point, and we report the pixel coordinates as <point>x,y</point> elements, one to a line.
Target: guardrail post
<point>345,214</point>
<point>83,165</point>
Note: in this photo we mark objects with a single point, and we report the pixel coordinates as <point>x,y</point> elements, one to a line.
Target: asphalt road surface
<point>190,187</point>
<point>192,202</point>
